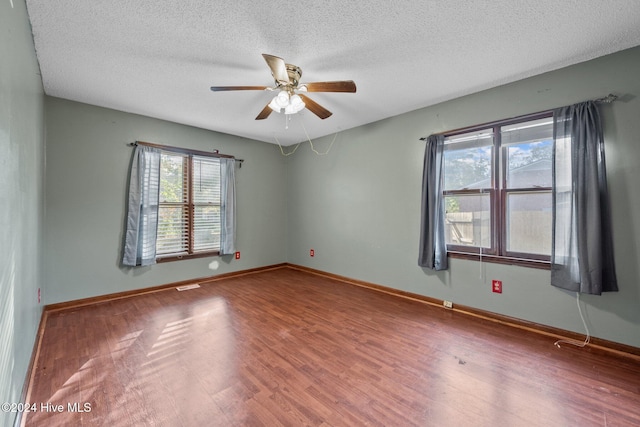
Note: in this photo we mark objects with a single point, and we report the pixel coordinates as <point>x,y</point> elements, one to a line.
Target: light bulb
<point>282,99</point>
<point>274,106</point>
<point>296,104</point>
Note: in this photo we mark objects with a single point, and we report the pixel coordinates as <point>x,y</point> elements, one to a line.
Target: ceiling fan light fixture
<point>287,77</point>
<point>282,99</point>
<point>274,105</point>
<point>296,104</point>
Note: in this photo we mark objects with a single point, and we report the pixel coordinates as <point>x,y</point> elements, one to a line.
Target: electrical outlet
<point>312,253</point>
<point>447,304</point>
<point>238,255</point>
<point>496,286</point>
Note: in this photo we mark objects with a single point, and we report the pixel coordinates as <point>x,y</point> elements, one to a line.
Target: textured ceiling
<point>158,58</point>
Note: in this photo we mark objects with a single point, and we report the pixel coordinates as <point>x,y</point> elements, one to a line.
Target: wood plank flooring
<point>289,348</point>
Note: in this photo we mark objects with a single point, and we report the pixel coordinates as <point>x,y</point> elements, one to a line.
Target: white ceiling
<point>159,58</point>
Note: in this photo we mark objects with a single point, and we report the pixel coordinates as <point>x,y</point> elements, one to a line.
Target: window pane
<point>206,233</point>
<point>189,213</point>
<point>467,161</point>
<point>172,218</point>
<point>529,165</point>
<point>529,223</point>
<point>206,198</point>
<point>529,131</point>
<point>172,178</point>
<point>467,220</point>
<point>172,230</point>
<point>206,180</point>
<point>529,153</point>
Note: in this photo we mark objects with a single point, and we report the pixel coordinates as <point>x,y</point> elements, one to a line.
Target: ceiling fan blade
<point>315,108</point>
<point>339,86</point>
<point>278,68</point>
<point>264,113</point>
<point>225,88</point>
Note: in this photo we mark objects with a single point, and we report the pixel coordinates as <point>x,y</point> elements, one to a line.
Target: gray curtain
<point>433,249</point>
<point>582,249</point>
<point>228,202</point>
<point>142,210</point>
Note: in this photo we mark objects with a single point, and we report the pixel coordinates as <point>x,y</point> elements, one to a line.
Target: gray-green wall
<point>359,206</point>
<point>87,165</point>
<point>21,192</point>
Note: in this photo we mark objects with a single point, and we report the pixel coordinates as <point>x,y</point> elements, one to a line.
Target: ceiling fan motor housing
<point>294,72</point>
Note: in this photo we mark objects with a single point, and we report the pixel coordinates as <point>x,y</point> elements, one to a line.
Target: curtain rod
<point>607,99</point>
<point>214,153</point>
<point>604,100</point>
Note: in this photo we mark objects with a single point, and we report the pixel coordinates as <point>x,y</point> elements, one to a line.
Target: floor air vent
<point>187,287</point>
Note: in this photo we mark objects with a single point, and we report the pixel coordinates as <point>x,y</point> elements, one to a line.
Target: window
<point>497,190</point>
<point>189,206</point>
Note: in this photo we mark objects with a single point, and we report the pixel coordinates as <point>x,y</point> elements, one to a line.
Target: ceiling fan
<point>287,78</point>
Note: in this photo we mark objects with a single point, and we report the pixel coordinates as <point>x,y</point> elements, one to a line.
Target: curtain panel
<point>142,209</point>
<point>228,202</point>
<point>433,249</point>
<point>143,205</point>
<point>582,249</point>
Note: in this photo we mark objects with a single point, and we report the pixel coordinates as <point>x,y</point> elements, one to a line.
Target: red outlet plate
<point>312,252</point>
<point>496,286</point>
<point>238,255</point>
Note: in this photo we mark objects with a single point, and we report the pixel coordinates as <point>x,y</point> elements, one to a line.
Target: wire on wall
<point>310,143</point>
<point>282,151</point>
<point>576,342</point>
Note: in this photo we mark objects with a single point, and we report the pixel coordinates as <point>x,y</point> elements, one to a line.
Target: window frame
<point>190,205</point>
<point>498,193</point>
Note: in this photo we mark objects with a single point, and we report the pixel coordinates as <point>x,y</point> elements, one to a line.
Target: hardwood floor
<point>286,347</point>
